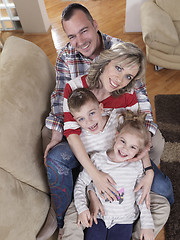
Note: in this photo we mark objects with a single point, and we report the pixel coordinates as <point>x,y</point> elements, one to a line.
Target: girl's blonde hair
<point>135,121</point>
<point>128,55</point>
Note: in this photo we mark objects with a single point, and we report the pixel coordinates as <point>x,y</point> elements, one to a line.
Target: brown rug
<point>168,120</point>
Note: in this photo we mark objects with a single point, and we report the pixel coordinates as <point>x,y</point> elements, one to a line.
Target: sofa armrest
<point>26,82</point>
<point>157,27</point>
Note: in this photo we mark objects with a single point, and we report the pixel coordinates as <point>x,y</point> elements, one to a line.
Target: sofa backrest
<point>26,82</point>
<point>172,7</point>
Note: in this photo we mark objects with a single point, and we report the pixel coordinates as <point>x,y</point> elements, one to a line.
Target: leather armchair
<point>160,21</point>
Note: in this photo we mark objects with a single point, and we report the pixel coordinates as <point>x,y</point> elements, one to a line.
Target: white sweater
<point>126,209</point>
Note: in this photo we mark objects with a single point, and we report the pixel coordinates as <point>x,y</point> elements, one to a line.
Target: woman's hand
<point>95,206</point>
<point>147,234</point>
<point>103,183</point>
<point>84,218</point>
<point>145,184</point>
<point>142,154</point>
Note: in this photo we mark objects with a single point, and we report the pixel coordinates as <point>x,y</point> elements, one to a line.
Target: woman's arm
<point>146,181</point>
<point>102,181</point>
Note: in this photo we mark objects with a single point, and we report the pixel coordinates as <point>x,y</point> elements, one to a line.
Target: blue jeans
<point>61,161</point>
<point>162,184</point>
<point>100,232</point>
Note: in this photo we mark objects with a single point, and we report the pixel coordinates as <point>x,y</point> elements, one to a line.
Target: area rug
<point>168,119</point>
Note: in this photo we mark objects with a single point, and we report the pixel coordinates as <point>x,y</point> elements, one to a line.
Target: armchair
<point>160,21</point>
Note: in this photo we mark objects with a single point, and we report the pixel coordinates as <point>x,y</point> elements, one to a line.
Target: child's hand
<point>95,206</point>
<point>103,183</point>
<point>147,234</point>
<point>85,219</point>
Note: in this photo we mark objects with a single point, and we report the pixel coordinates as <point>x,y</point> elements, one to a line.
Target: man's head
<point>86,110</point>
<point>71,8</point>
<point>81,30</point>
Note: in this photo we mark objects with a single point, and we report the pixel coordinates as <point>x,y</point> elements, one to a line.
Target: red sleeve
<point>68,117</point>
<point>72,131</point>
<point>67,91</point>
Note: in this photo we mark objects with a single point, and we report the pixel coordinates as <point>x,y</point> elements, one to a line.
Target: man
<point>85,44</point>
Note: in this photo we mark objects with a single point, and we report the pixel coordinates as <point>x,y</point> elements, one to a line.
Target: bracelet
<point>148,168</point>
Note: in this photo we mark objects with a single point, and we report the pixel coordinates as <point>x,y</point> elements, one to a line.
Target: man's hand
<point>147,234</point>
<point>84,218</point>
<point>56,138</point>
<point>145,184</point>
<point>95,206</point>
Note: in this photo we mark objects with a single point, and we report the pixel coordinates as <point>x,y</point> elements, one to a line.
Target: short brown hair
<point>79,97</point>
<point>68,12</point>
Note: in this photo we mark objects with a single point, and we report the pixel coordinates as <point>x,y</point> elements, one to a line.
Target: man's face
<point>83,34</point>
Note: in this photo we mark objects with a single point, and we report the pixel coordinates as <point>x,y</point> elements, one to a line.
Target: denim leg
<point>60,162</point>
<point>162,184</point>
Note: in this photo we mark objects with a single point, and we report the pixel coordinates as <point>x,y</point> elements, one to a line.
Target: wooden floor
<point>110,15</point>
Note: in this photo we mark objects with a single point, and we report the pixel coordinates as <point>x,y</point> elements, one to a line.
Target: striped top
<point>125,101</point>
<point>103,140</point>
<point>126,209</point>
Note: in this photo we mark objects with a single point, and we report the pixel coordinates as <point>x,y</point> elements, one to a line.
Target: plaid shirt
<point>69,64</point>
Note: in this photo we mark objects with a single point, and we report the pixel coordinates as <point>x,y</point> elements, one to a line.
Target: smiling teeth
<point>115,85</point>
<point>85,47</point>
<point>122,155</point>
<point>94,126</point>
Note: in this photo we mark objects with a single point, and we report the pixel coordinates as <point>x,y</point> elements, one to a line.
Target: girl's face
<point>127,145</point>
<point>116,76</point>
<point>90,118</point>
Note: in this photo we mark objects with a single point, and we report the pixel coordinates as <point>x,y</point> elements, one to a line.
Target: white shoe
<point>60,234</point>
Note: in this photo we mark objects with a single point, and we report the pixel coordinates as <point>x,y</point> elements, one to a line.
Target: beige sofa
<point>160,20</point>
<point>26,80</point>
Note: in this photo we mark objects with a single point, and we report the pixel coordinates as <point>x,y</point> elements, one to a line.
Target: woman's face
<point>116,76</point>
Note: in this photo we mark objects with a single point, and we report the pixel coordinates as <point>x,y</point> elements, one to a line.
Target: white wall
<point>132,20</point>
<point>33,15</point>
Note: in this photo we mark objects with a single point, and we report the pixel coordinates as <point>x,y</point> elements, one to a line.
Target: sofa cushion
<point>163,60</point>
<point>172,7</point>
<point>23,209</point>
<point>27,79</point>
<point>159,31</point>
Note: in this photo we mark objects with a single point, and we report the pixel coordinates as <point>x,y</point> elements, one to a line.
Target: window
<point>9,19</point>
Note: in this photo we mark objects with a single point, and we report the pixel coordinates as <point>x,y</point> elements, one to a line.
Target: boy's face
<point>127,145</point>
<point>89,117</point>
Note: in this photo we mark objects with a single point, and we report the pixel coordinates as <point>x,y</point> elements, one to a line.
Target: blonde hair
<point>128,54</point>
<point>135,121</point>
